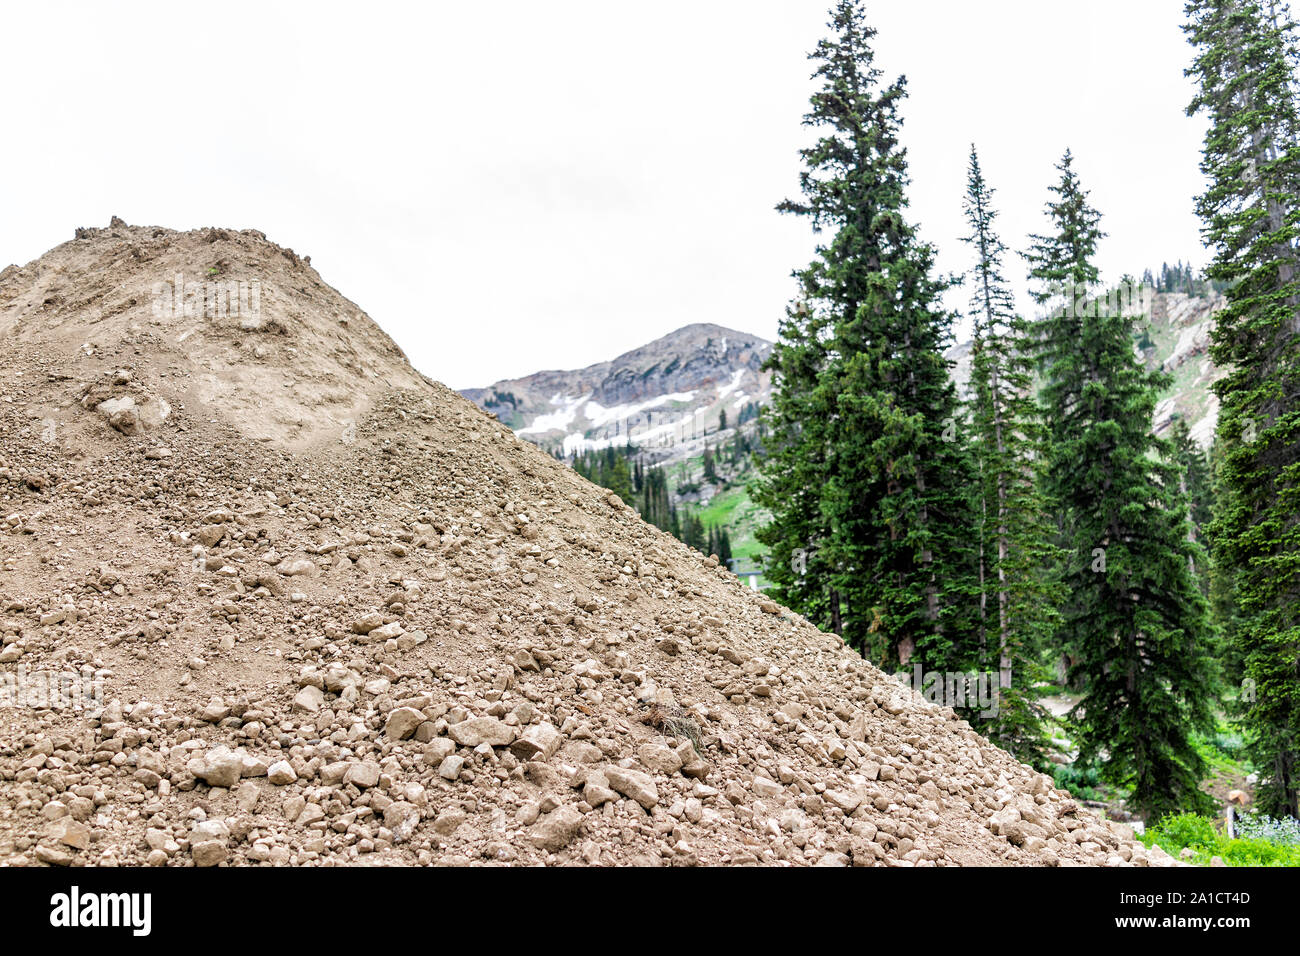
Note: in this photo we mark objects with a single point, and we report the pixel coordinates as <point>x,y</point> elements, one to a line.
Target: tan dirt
<point>340,616</point>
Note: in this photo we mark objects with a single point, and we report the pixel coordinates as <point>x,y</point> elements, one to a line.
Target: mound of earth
<point>300,605</point>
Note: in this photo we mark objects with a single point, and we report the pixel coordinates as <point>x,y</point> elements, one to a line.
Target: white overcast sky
<point>514,186</point>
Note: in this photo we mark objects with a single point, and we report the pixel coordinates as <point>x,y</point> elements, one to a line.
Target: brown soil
<point>341,616</point>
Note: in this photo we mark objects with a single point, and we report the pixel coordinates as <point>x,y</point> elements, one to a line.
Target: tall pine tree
<point>1134,620</point>
<point>865,475</point>
<point>1018,586</point>
<point>1195,466</point>
<point>1244,65</point>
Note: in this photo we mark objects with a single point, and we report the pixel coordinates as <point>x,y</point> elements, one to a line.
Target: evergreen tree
<point>724,547</point>
<point>793,468</point>
<point>1194,465</point>
<point>1018,587</point>
<point>693,532</point>
<point>869,501</point>
<point>609,469</point>
<point>1244,63</point>
<point>1134,618</point>
<point>1223,598</point>
<point>655,503</point>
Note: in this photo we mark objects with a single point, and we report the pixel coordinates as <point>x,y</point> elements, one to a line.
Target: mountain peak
<point>680,384</point>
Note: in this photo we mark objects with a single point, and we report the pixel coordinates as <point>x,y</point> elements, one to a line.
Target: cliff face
<point>1180,329</point>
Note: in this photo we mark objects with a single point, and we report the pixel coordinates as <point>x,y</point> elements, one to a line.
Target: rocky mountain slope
<point>1179,342</point>
<point>661,394</point>
<point>665,398</point>
<point>672,389</point>
<point>1176,339</point>
<point>321,610</point>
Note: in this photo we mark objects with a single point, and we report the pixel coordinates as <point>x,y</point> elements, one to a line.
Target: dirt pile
<point>311,607</point>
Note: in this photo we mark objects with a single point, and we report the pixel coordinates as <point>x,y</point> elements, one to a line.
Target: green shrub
<point>1228,742</point>
<point>1083,781</point>
<point>1187,829</point>
<point>1180,831</point>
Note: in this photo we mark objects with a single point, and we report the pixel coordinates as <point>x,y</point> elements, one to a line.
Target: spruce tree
<point>1224,607</point>
<point>1134,620</point>
<point>710,466</point>
<point>1018,587</point>
<point>1194,465</point>
<point>1244,63</point>
<point>864,474</point>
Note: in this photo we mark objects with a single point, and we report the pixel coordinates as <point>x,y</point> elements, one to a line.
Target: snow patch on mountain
<point>556,420</point>
<point>600,416</point>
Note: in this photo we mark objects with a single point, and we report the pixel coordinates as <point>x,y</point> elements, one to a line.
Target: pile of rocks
<point>413,639</point>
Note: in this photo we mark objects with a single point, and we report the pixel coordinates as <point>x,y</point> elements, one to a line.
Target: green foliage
<point>1245,55</point>
<point>1018,589</point>
<point>608,468</point>
<point>1222,587</point>
<point>1081,779</point>
<point>1176,832</point>
<point>655,501</point>
<point>648,491</point>
<point>1044,517</point>
<point>870,503</point>
<point>1186,829</point>
<point>1182,278</point>
<point>1134,621</point>
<point>731,510</point>
<point>1228,742</point>
<point>1194,482</point>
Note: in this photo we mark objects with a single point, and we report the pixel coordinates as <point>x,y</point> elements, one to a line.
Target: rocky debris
<point>349,618</point>
<point>481,730</point>
<point>538,742</point>
<point>281,773</point>
<point>634,784</point>
<point>69,832</point>
<point>209,853</point>
<point>557,829</point>
<point>219,767</point>
<point>363,775</point>
<point>121,414</point>
<point>659,759</point>
<point>402,723</point>
<point>310,699</point>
